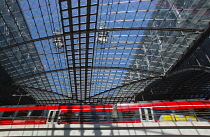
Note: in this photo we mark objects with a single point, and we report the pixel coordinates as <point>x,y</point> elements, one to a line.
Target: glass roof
<point>78,51</point>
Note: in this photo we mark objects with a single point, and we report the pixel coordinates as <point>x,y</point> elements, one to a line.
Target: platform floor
<point>118,129</point>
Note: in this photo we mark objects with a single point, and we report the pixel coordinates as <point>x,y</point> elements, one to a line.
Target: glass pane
<point>150,113</point>
<point>56,116</point>
<point>8,114</point>
<point>143,114</point>
<point>22,113</point>
<point>50,116</point>
<point>36,113</point>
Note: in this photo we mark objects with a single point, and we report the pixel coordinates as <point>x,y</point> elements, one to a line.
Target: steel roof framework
<point>53,51</point>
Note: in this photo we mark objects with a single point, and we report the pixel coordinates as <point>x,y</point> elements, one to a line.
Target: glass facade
<point>77,51</point>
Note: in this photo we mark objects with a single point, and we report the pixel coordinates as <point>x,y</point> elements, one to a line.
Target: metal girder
<point>87,45</point>
<point>65,45</point>
<point>125,85</point>
<point>193,68</point>
<point>172,83</point>
<point>193,46</point>
<point>82,67</point>
<point>72,47</point>
<point>43,90</point>
<point>101,30</point>
<point>151,28</point>
<point>79,40</point>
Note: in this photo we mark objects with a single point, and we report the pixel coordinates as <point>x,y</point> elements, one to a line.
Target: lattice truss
<point>95,51</point>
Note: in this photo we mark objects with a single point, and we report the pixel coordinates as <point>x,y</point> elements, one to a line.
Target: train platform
<point>148,129</point>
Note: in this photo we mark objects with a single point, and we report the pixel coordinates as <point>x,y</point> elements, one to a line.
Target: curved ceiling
<point>188,83</point>
<point>94,51</point>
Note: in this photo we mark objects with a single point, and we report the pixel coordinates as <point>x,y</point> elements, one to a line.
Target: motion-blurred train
<point>179,111</point>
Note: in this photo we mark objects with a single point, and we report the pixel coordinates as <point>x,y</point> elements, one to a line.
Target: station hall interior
<point>104,67</point>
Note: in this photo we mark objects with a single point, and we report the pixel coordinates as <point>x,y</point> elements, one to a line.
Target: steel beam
<point>100,30</point>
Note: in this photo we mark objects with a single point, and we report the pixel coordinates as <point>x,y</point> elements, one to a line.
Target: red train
<point>179,111</point>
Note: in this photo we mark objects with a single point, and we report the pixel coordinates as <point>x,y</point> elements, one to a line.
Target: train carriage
<point>178,111</point>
